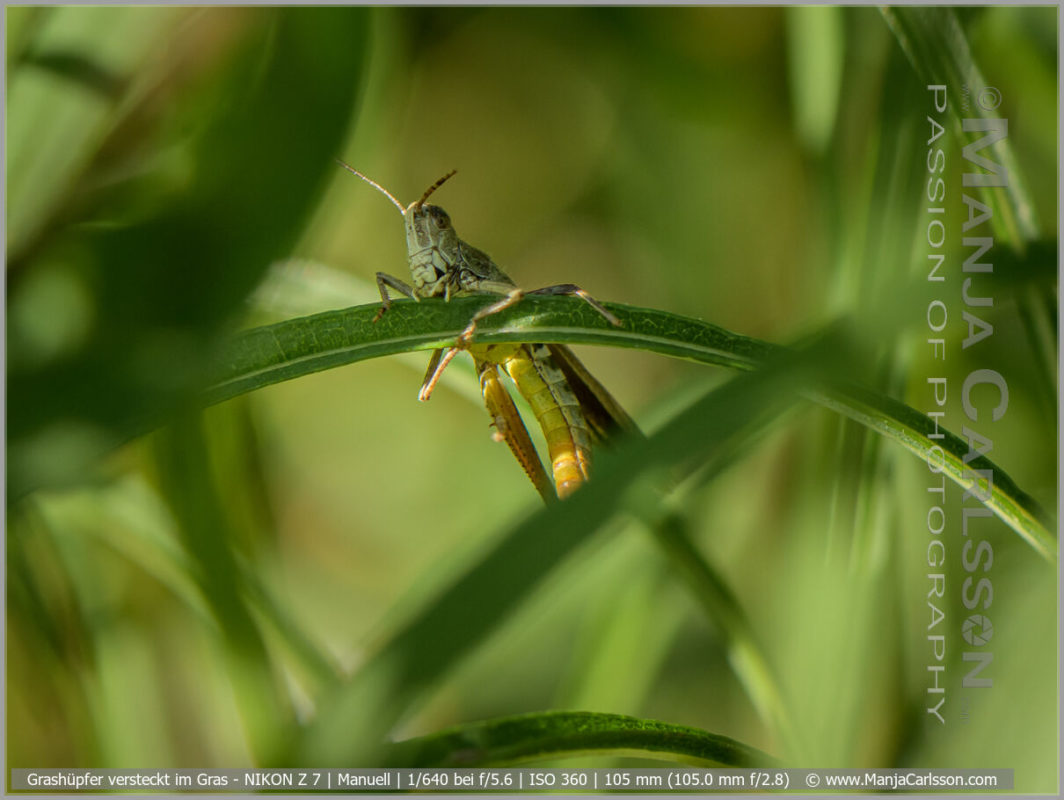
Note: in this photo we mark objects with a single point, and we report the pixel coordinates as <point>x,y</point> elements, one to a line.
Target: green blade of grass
<point>267,355</point>
<point>296,347</point>
<point>913,430</point>
<point>815,44</point>
<point>566,734</point>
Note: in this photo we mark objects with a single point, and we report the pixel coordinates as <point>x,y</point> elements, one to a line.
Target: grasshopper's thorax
<point>433,249</point>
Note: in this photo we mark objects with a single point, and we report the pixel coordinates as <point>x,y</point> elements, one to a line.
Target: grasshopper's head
<point>432,246</point>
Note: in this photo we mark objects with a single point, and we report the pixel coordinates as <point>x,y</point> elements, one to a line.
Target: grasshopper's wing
<point>510,428</point>
<point>604,415</point>
<point>479,274</point>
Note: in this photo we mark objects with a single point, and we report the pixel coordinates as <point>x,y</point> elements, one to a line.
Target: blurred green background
<point>170,179</point>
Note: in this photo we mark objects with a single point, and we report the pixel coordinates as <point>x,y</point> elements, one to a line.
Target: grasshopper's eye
<point>442,220</point>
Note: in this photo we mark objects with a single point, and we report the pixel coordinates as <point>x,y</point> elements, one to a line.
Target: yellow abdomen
<point>543,385</point>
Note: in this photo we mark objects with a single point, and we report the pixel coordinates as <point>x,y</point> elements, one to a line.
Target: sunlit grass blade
<point>815,39</point>
<point>565,734</point>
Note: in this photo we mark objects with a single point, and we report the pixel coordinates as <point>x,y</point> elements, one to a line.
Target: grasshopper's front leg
<point>434,371</point>
<point>386,281</point>
<point>435,368</point>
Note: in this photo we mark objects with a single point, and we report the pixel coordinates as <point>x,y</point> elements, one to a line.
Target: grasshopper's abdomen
<point>542,383</point>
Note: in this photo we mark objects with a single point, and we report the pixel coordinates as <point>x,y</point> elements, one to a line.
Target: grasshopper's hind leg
<point>510,428</point>
<point>515,295</point>
<point>573,290</point>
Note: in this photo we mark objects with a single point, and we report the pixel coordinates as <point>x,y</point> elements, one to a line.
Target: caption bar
<point>509,780</point>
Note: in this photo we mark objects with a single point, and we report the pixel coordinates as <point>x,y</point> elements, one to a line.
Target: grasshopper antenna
<point>435,186</point>
<point>381,189</point>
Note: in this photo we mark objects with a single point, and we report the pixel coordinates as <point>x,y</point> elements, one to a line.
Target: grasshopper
<point>572,407</point>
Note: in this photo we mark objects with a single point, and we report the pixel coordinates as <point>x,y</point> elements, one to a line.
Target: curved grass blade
<point>566,734</point>
<point>912,430</point>
<point>274,353</point>
<point>293,348</point>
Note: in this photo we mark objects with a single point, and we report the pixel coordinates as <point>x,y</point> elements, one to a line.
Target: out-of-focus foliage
<point>197,595</point>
